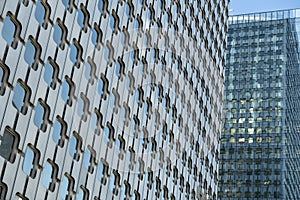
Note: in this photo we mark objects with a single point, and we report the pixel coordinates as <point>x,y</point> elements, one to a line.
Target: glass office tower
<point>260,140</point>
<point>111,99</point>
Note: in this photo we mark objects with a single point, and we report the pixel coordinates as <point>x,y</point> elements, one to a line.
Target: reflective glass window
<point>65,187</point>
<point>100,86</point>
<point>28,161</point>
<point>48,73</point>
<point>8,30</point>
<point>47,175</point>
<point>73,53</point>
<point>9,144</point>
<point>80,18</point>
<point>73,146</point>
<point>65,90</point>
<point>19,95</point>
<point>87,158</point>
<point>39,115</point>
<point>40,12</point>
<point>58,33</point>
<point>30,51</point>
<point>57,131</point>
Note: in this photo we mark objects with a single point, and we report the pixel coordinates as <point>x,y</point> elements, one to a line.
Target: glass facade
<point>259,155</point>
<point>111,99</point>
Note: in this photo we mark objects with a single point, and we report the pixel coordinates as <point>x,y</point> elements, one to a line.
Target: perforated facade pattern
<point>111,99</point>
<point>259,156</point>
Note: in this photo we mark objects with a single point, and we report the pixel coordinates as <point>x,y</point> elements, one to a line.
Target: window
<point>4,74</point>
<point>50,172</point>
<point>97,118</point>
<point>119,68</point>
<point>42,12</point>
<point>69,4</point>
<point>21,97</point>
<point>9,143</point>
<point>11,30</point>
<point>76,52</point>
<point>83,193</point>
<point>51,73</point>
<point>83,17</point>
<point>60,33</point>
<point>68,89</point>
<point>31,161</point>
<point>89,159</point>
<point>109,132</point>
<point>41,116</point>
<point>67,186</point>
<point>75,146</point>
<point>90,70</point>
<point>96,34</point>
<point>59,131</point>
<point>83,107</point>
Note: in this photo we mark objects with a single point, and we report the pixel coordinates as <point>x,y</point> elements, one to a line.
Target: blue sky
<point>249,6</point>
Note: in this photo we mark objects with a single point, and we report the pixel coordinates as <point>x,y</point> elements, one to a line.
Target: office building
<point>260,139</point>
<point>107,99</point>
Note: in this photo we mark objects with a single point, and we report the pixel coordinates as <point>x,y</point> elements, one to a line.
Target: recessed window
<point>50,175</point>
<point>11,30</point>
<point>21,97</point>
<point>83,193</point>
<point>31,161</point>
<point>9,143</point>
<point>83,107</point>
<point>68,89</point>
<point>59,131</point>
<point>4,74</point>
<point>41,116</point>
<point>75,146</point>
<point>51,73</point>
<point>96,35</point>
<point>67,186</point>
<point>76,52</point>
<point>60,33</point>
<point>42,12</point>
<point>83,17</point>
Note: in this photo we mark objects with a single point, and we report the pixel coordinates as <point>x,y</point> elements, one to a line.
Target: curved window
<point>67,185</point>
<point>8,30</point>
<point>19,96</point>
<point>80,18</point>
<point>40,12</point>
<point>100,86</point>
<point>30,161</point>
<point>118,69</point>
<point>80,107</point>
<point>127,9</point>
<point>59,131</point>
<point>58,34</point>
<point>87,158</point>
<point>39,115</point>
<point>101,6</point>
<point>112,22</point>
<point>96,34</point>
<point>100,170</point>
<point>65,90</point>
<point>29,53</point>
<point>87,71</point>
<point>112,100</point>
<point>83,193</point>
<point>137,96</point>
<point>73,53</point>
<point>106,133</point>
<point>47,175</point>
<point>48,73</point>
<point>9,144</point>
<point>73,146</point>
